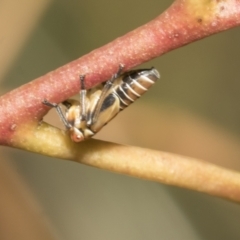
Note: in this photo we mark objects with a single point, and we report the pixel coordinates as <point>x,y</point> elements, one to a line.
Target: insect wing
<point>124,91</point>
<point>109,109</point>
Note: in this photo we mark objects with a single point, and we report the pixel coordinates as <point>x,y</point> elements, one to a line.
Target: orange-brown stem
<point>184,22</point>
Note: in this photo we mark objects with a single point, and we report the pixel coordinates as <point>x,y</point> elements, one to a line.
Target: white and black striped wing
<point>134,84</point>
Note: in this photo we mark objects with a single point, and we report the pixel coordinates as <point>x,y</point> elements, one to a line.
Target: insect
<point>97,106</point>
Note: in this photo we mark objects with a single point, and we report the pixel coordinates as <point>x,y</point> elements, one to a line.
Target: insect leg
<point>59,111</point>
<point>106,87</point>
<point>82,93</point>
<point>114,77</point>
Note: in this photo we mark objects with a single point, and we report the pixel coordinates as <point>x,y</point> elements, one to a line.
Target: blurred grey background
<point>193,110</point>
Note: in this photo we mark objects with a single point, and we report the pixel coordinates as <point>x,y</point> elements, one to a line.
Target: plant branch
<point>183,22</point>
<point>143,163</point>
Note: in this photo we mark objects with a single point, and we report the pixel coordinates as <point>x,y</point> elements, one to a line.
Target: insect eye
<point>76,135</point>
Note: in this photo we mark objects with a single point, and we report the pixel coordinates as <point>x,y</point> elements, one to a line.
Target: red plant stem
<point>184,22</point>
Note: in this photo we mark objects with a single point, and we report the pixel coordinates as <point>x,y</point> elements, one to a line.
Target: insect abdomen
<point>134,84</point>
